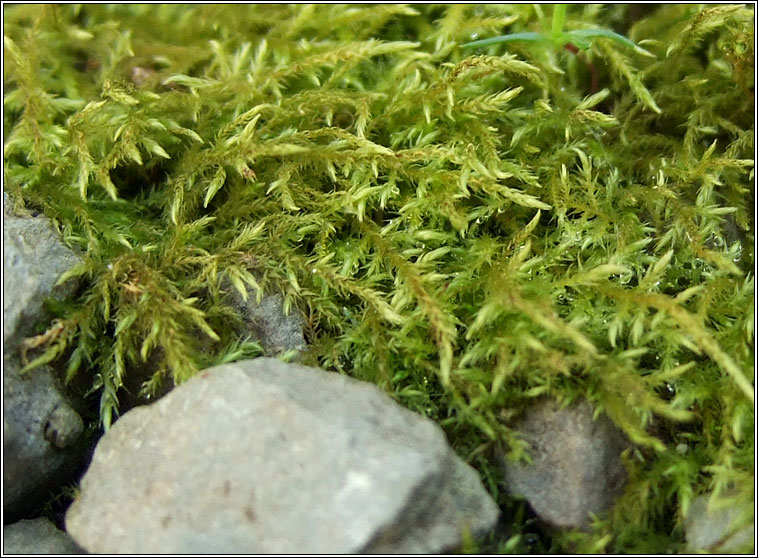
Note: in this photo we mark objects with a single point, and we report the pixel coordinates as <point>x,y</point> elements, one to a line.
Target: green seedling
<point>573,41</point>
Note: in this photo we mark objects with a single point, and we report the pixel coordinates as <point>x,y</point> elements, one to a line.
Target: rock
<point>41,430</point>
<point>266,322</point>
<point>63,426</point>
<point>37,536</point>
<point>33,259</point>
<point>261,457</point>
<point>576,467</point>
<point>717,531</point>
<point>42,439</point>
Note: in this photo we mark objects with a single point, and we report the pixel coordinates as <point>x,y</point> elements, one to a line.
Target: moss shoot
<point>469,229</point>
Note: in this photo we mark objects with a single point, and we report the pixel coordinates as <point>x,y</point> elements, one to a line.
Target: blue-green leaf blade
<point>506,39</point>
<point>607,34</point>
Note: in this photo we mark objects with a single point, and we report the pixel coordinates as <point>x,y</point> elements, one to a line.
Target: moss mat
<point>468,228</point>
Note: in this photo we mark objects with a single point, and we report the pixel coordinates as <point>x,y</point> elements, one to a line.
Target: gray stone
<point>37,536</point>
<point>63,426</point>
<point>267,323</point>
<point>41,435</point>
<point>260,456</point>
<point>40,428</point>
<point>33,259</point>
<point>576,467</point>
<point>717,531</point>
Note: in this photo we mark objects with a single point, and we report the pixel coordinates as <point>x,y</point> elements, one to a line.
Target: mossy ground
<point>468,230</point>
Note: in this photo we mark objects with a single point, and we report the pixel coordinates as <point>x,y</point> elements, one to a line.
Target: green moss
<point>466,231</point>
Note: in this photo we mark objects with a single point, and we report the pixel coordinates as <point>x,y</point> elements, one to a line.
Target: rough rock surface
<point>714,531</point>
<point>267,323</point>
<point>261,456</point>
<point>33,260</point>
<point>37,536</point>
<point>40,439</point>
<point>40,428</point>
<point>576,467</point>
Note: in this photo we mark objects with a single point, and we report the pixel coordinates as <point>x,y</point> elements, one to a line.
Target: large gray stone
<point>41,430</point>
<point>717,531</point>
<point>261,456</point>
<point>576,466</point>
<point>37,536</point>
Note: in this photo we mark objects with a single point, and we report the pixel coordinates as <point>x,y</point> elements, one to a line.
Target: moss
<point>468,231</point>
